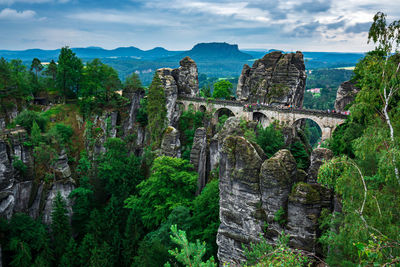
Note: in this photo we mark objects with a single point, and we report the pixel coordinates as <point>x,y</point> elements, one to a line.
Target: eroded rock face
<point>19,192</point>
<point>134,97</point>
<point>231,127</point>
<point>180,81</point>
<point>346,94</point>
<point>277,78</point>
<point>278,174</point>
<point>170,144</point>
<point>171,94</point>
<point>318,156</point>
<point>239,198</point>
<point>265,196</point>
<point>198,157</point>
<point>65,188</point>
<point>107,122</point>
<point>186,77</point>
<point>305,204</point>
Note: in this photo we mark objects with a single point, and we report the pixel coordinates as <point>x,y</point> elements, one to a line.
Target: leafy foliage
<point>156,110</point>
<point>190,254</point>
<point>27,117</point>
<point>280,254</point>
<point>270,139</point>
<point>188,123</point>
<point>223,89</point>
<point>171,184</point>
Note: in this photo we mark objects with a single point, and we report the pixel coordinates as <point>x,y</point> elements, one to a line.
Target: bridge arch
<point>314,129</point>
<point>202,108</point>
<point>261,118</point>
<point>223,111</point>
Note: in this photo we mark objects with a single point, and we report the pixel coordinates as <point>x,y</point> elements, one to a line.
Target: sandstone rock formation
<point>186,77</point>
<point>170,144</point>
<point>171,94</point>
<point>107,122</point>
<point>231,127</point>
<point>318,156</point>
<point>278,174</point>
<point>304,208</point>
<point>277,79</point>
<point>346,94</point>
<point>180,81</point>
<point>134,98</point>
<point>198,157</point>
<point>266,196</point>
<point>240,205</point>
<point>19,192</point>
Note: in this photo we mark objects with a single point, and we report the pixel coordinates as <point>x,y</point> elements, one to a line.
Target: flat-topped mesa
<point>277,79</point>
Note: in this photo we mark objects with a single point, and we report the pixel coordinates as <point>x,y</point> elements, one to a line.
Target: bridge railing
<point>257,107</point>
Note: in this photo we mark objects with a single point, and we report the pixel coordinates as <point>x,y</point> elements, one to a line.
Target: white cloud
<point>10,2</point>
<point>12,14</point>
<point>128,17</point>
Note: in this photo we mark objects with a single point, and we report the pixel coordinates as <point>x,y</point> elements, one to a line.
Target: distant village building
<point>314,90</point>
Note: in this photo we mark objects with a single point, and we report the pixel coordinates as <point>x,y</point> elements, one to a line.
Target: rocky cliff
<point>277,79</point>
<point>19,190</point>
<point>346,94</point>
<point>260,196</point>
<point>180,81</point>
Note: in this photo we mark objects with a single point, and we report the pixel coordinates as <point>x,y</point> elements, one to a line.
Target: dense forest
<point>142,209</point>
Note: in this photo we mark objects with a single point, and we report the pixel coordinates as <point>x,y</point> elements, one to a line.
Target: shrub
<point>27,117</point>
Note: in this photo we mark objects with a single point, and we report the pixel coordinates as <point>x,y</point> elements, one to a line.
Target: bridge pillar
<point>326,133</point>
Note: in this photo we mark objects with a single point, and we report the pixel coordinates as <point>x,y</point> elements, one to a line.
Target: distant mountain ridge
<point>215,51</point>
<point>217,59</point>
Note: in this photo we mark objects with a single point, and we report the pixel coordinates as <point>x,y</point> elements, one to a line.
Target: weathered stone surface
<point>180,81</point>
<point>171,94</point>
<point>65,188</point>
<point>277,176</point>
<point>277,79</point>
<point>318,156</point>
<point>2,124</point>
<point>305,204</point>
<point>18,191</point>
<point>346,94</point>
<point>198,157</point>
<point>239,198</point>
<point>170,144</point>
<point>186,77</point>
<point>62,166</point>
<point>6,170</point>
<point>107,122</point>
<point>134,97</point>
<point>231,127</point>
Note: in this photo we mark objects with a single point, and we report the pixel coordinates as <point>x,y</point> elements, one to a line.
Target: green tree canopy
<point>172,183</point>
<point>69,73</point>
<point>223,89</point>
<point>156,110</point>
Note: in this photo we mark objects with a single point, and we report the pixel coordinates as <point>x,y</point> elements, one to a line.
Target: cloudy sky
<point>307,25</point>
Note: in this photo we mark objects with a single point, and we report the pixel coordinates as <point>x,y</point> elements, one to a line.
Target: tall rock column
<point>240,207</point>
<point>171,94</point>
<point>346,94</point>
<point>277,176</point>
<point>198,157</point>
<point>186,77</point>
<point>277,78</point>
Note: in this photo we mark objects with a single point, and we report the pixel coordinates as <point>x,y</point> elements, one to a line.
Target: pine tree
<point>61,229</point>
<point>36,135</point>
<point>156,110</point>
<point>70,257</point>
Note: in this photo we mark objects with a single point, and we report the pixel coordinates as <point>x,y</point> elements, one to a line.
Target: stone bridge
<point>264,114</point>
